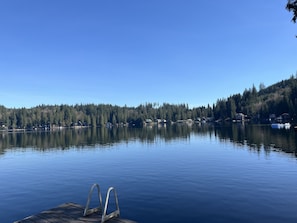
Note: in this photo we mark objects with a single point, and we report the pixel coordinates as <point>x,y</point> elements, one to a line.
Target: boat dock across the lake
<point>76,213</point>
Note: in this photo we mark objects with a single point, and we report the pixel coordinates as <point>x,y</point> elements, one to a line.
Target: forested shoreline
<point>262,105</point>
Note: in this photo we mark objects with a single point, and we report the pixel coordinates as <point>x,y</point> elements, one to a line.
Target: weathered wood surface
<point>68,213</point>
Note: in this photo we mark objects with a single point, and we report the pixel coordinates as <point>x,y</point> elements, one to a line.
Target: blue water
<point>199,178</point>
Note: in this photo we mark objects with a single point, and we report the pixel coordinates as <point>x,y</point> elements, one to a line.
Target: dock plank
<point>68,213</point>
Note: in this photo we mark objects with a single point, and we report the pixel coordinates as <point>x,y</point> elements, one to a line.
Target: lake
<point>199,173</point>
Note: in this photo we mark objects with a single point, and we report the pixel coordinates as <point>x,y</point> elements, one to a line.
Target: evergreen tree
<point>292,7</point>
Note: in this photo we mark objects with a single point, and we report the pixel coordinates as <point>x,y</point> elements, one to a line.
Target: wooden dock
<point>68,213</point>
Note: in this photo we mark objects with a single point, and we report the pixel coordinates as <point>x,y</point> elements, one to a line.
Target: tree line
<point>256,104</point>
<point>91,115</point>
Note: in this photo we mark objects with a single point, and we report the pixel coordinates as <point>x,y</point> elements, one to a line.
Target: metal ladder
<point>105,217</point>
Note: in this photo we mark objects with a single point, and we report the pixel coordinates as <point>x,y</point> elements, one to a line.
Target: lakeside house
<point>240,117</point>
<point>283,118</point>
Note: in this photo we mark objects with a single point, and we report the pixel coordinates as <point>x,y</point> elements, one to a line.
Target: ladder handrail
<point>88,211</point>
<point>115,213</point>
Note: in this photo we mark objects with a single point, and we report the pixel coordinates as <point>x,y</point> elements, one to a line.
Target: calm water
<point>179,174</point>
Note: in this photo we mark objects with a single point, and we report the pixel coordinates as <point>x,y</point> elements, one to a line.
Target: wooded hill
<point>254,105</point>
<point>275,100</point>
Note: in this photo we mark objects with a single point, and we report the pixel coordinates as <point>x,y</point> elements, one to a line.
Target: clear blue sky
<point>134,51</point>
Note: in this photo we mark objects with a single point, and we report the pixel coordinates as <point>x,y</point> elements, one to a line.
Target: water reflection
<point>255,136</point>
<point>260,136</point>
<point>89,137</point>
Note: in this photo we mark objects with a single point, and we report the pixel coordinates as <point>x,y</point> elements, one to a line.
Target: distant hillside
<point>271,101</point>
<point>277,102</point>
<point>280,97</point>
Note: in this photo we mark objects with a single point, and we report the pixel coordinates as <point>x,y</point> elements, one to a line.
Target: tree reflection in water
<point>256,137</point>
